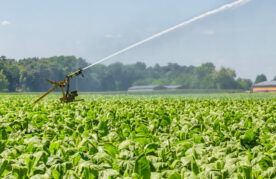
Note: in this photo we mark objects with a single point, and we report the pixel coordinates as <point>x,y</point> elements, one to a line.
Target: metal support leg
<point>52,89</point>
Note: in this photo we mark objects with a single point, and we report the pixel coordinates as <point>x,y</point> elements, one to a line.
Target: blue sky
<point>242,38</point>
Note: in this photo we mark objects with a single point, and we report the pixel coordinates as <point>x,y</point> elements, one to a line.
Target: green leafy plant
<point>224,136</point>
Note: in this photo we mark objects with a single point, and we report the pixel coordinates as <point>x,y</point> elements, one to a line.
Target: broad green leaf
<point>195,167</point>
<point>19,172</point>
<point>3,165</point>
<point>110,149</point>
<point>2,146</point>
<point>142,167</point>
<point>175,175</point>
<point>265,163</point>
<point>3,134</point>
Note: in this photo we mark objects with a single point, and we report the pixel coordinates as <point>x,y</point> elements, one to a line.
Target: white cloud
<point>208,32</point>
<point>112,36</point>
<point>5,22</point>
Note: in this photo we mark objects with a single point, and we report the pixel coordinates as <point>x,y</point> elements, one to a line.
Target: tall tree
<point>245,84</point>
<point>225,79</point>
<point>11,71</point>
<point>205,75</point>
<point>4,83</point>
<point>260,78</point>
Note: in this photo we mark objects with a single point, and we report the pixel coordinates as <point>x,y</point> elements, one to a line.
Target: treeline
<point>30,74</point>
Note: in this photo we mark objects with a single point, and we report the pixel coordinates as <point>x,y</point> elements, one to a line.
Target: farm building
<point>267,86</point>
<point>175,87</point>
<point>146,88</point>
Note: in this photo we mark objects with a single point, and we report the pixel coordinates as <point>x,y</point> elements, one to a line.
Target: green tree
<point>161,81</point>
<point>11,71</point>
<point>30,75</point>
<point>260,78</point>
<point>245,84</point>
<point>116,70</point>
<point>3,58</point>
<point>4,83</point>
<point>108,83</point>
<point>225,79</point>
<point>205,75</point>
<point>187,80</point>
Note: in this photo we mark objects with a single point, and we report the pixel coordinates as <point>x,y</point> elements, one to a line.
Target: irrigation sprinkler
<point>70,96</point>
<point>67,96</point>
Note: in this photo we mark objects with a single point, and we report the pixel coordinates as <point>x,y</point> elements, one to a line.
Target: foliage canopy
<point>30,74</point>
<point>139,137</point>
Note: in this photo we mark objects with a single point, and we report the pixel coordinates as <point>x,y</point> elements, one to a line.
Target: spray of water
<point>222,8</point>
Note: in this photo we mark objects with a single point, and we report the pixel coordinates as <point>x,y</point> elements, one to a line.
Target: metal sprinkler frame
<point>68,96</point>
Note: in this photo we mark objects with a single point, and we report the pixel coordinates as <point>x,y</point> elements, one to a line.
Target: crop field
<point>186,136</point>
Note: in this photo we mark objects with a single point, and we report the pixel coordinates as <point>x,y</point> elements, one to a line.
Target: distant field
<point>154,92</point>
<point>134,136</point>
